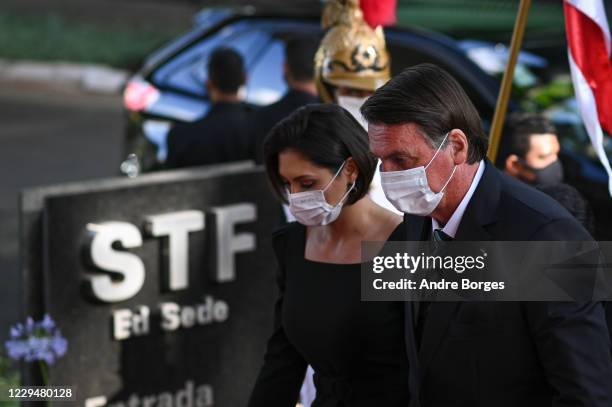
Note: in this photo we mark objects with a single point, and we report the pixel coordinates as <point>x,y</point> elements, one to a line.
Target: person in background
<point>317,161</point>
<point>351,63</point>
<point>222,135</point>
<point>299,76</point>
<point>529,151</point>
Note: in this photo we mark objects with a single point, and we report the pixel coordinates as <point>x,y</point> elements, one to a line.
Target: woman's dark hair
<point>430,97</point>
<point>327,135</point>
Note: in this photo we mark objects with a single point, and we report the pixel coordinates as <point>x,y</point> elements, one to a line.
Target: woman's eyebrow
<point>300,177</point>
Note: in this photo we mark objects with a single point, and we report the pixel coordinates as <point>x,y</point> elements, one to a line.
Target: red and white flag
<point>588,39</point>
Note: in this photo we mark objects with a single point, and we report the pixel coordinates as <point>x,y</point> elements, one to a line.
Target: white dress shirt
<point>453,223</point>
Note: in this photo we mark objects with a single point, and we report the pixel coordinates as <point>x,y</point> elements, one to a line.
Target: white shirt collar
<point>453,223</point>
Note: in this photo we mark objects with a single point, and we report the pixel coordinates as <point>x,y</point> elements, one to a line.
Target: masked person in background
<point>318,162</point>
<point>351,63</point>
<point>529,151</point>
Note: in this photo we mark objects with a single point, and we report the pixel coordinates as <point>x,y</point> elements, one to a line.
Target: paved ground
<point>48,136</point>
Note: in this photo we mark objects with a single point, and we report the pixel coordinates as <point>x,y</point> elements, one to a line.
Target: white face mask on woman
<point>409,190</point>
<point>310,207</point>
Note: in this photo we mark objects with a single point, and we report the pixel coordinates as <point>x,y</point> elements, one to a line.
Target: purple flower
<point>41,340</point>
<point>59,344</point>
<point>16,331</point>
<point>30,325</point>
<point>16,349</point>
<point>47,324</point>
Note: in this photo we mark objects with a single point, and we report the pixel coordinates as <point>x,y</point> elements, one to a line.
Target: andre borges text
<point>427,272</point>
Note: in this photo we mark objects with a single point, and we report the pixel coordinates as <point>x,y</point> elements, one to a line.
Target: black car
<point>169,88</point>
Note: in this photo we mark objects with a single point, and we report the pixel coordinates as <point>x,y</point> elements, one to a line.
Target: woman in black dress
<point>319,163</point>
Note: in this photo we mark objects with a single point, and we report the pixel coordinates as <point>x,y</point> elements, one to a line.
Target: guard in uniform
<point>350,64</point>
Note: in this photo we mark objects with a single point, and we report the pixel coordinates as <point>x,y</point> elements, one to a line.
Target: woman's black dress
<point>355,348</point>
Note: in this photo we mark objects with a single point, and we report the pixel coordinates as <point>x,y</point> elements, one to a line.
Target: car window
<point>265,82</point>
<point>260,42</point>
<point>186,72</point>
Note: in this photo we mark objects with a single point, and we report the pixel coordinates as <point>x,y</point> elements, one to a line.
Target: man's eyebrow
<point>399,154</point>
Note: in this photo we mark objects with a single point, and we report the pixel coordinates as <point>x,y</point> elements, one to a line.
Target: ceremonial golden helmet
<point>351,54</point>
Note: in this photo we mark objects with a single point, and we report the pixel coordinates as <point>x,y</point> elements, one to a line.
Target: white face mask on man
<point>409,190</point>
<point>353,105</point>
<point>310,208</point>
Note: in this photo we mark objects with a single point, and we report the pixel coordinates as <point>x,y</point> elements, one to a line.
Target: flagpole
<point>506,85</point>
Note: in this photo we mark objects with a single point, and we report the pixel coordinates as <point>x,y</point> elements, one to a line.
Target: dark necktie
<point>438,238</point>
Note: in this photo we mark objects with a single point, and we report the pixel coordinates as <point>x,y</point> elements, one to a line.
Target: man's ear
<point>512,165</point>
<point>458,141</point>
<point>518,169</point>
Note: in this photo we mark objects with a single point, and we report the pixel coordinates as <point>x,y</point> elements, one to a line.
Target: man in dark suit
<point>222,135</point>
<point>423,127</point>
<point>299,76</point>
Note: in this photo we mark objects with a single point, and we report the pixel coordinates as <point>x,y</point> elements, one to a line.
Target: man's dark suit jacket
<point>510,354</point>
<point>266,117</point>
<point>221,136</point>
